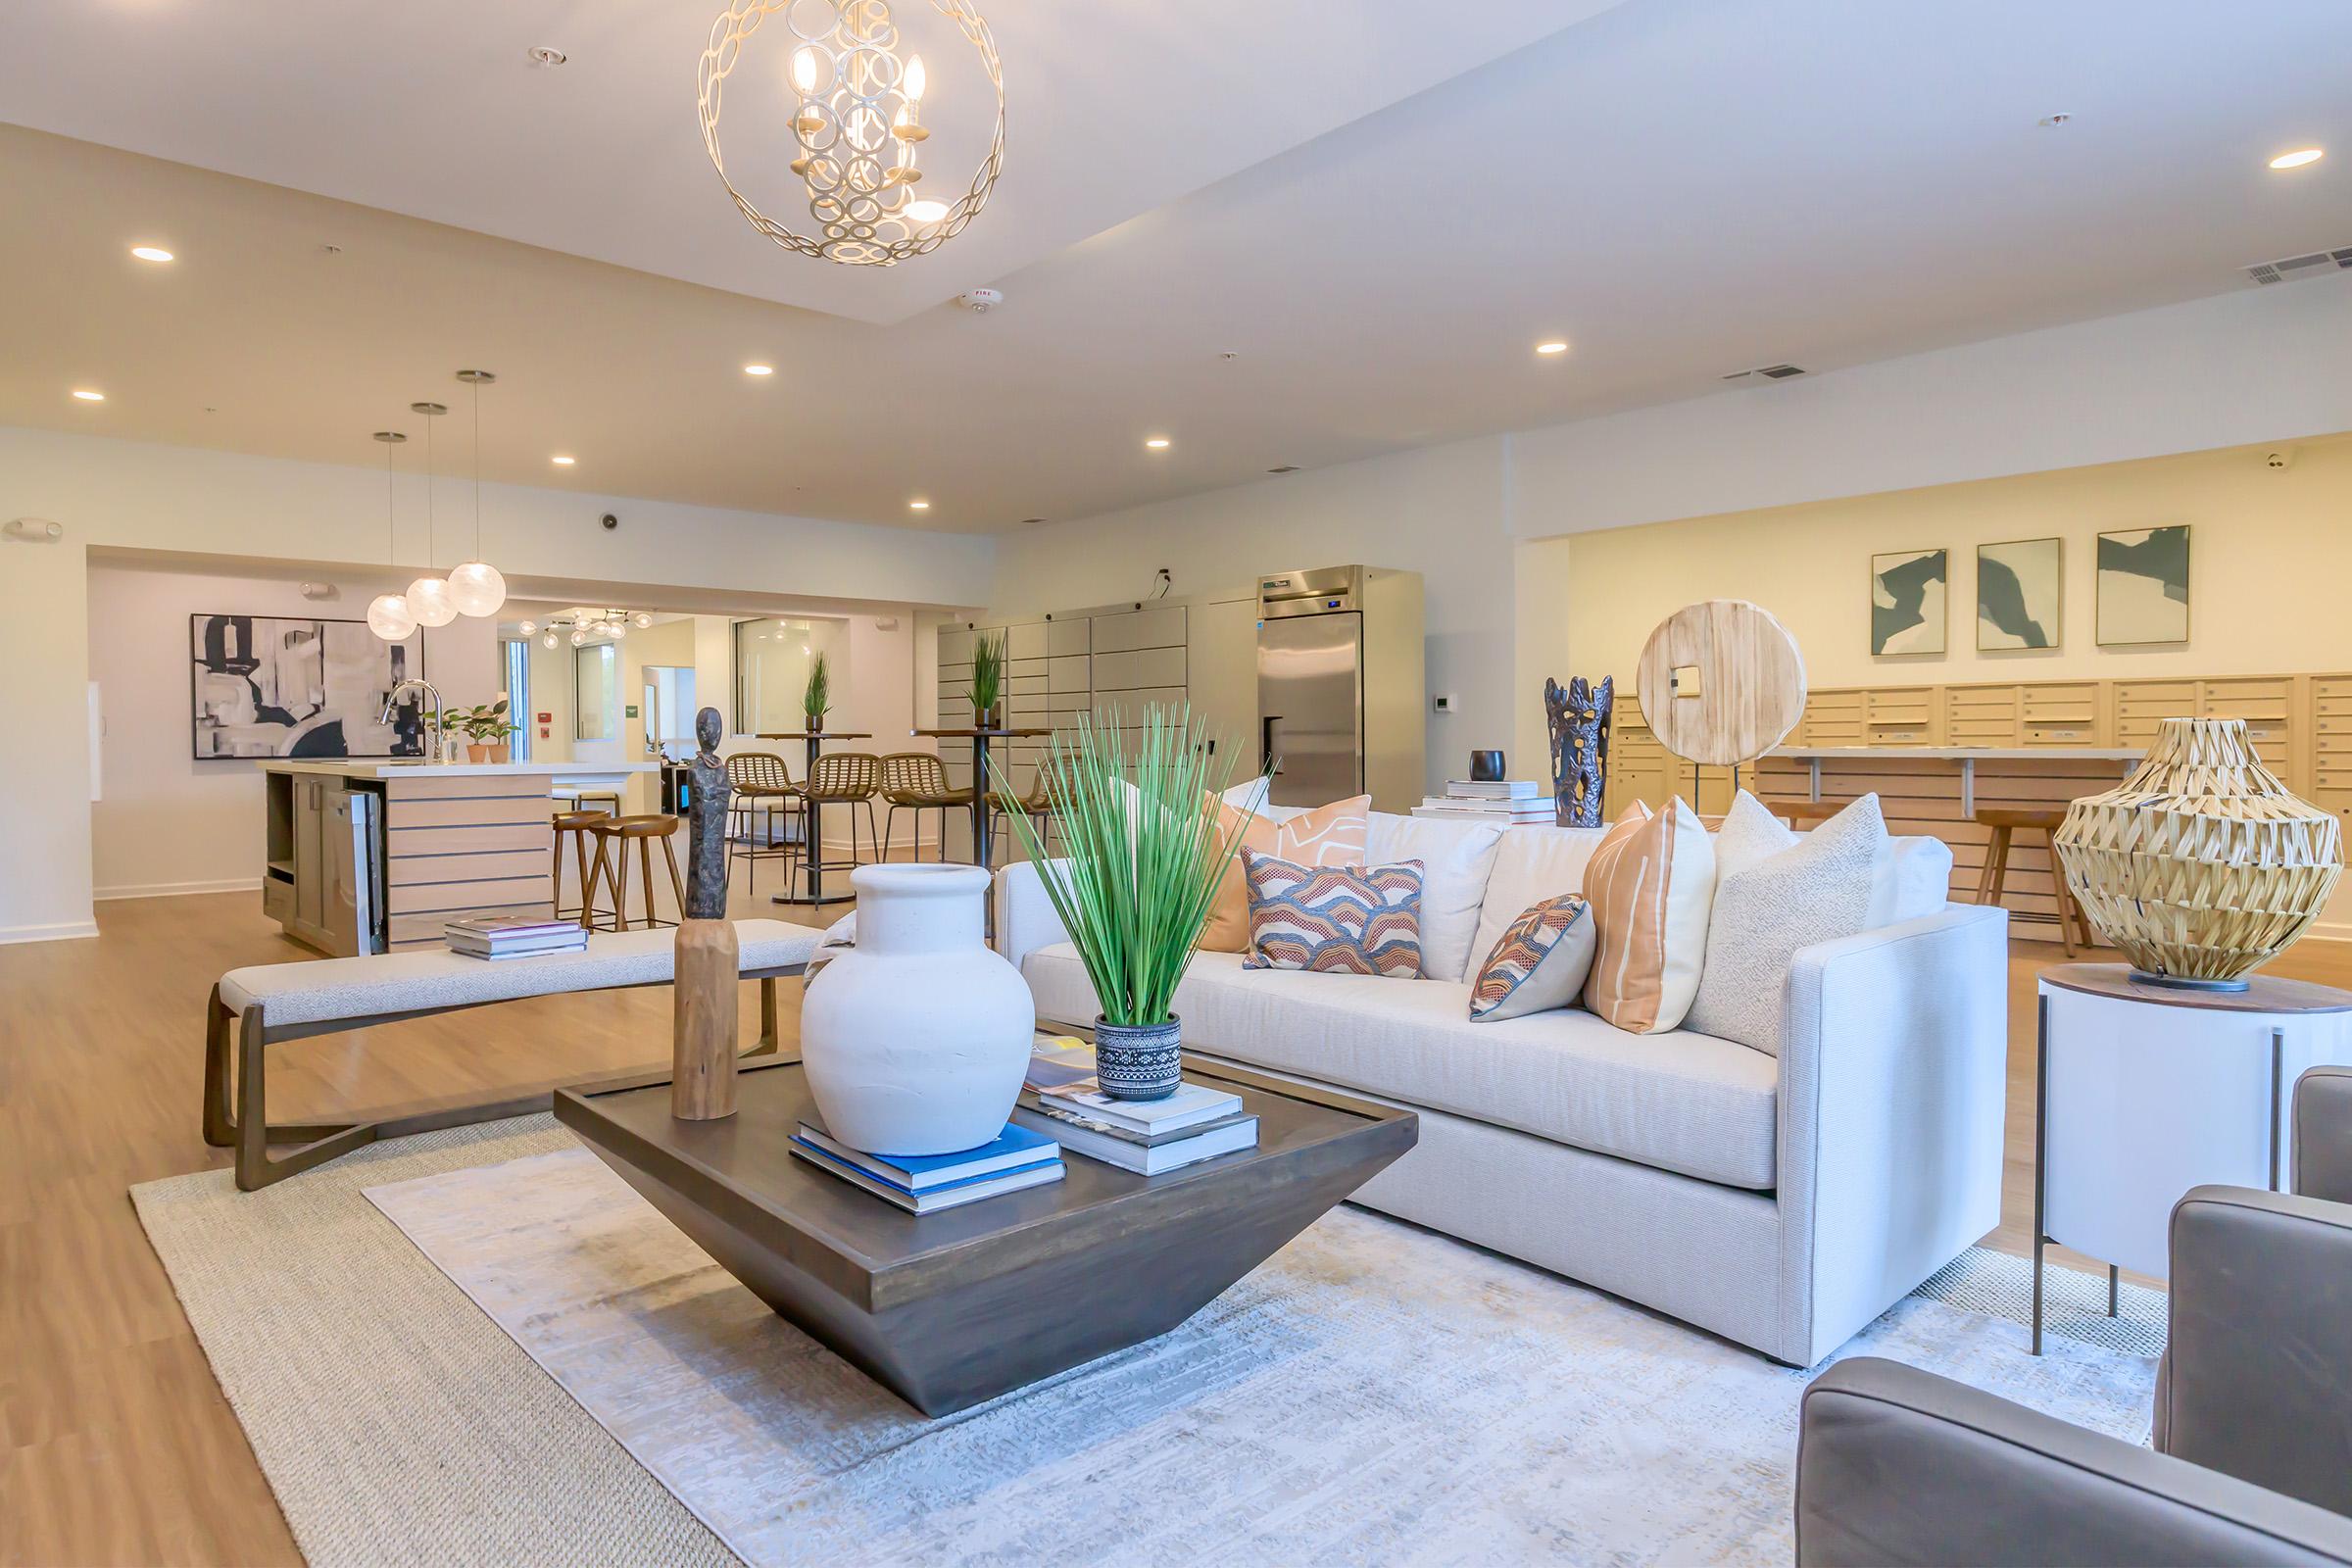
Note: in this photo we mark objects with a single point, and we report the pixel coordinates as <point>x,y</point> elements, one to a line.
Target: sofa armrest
<point>1895,1049</point>
<point>2322,1138</point>
<point>1899,1466</point>
<point>1026,919</point>
<point>2257,1380</point>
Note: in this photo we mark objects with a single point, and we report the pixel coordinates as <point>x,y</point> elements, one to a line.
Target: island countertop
<point>1966,754</point>
<point>418,768</point>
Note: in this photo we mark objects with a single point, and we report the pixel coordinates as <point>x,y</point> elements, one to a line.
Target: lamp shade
<point>428,602</point>
<point>476,589</point>
<point>389,618</point>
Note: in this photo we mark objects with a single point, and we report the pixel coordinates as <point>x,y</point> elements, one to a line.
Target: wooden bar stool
<point>2005,821</point>
<point>1804,815</point>
<point>575,826</point>
<point>614,835</point>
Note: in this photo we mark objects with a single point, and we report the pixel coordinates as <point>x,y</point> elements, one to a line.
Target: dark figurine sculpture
<point>706,823</point>
<point>1580,747</point>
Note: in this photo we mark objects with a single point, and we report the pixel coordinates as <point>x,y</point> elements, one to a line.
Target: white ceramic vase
<point>916,1040</point>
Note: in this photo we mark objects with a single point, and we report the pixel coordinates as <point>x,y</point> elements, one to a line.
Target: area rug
<point>1376,1393</point>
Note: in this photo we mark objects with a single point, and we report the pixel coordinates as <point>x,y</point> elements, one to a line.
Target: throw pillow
<point>1651,883</point>
<point>1328,835</point>
<point>1455,860</point>
<point>1334,919</point>
<point>1532,864</point>
<point>1540,964</point>
<point>1816,889</point>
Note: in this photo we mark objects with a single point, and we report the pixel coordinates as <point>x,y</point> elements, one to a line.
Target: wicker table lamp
<point>2201,866</point>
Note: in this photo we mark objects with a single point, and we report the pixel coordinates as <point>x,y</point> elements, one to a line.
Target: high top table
<point>980,736</point>
<point>813,855</point>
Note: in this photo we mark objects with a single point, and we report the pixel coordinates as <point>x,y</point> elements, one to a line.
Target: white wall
<point>45,782</point>
<point>168,822</point>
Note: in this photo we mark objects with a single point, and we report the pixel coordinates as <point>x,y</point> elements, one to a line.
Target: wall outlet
<point>1441,702</point>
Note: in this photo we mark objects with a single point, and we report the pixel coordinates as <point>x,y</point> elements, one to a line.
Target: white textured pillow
<point>1455,858</point>
<point>1918,882</point>
<point>1768,904</point>
<point>1249,795</point>
<point>1532,864</point>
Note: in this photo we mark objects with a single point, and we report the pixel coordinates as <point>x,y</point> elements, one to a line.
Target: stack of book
<point>1148,1137</point>
<point>513,936</point>
<point>1509,802</point>
<point>925,1184</point>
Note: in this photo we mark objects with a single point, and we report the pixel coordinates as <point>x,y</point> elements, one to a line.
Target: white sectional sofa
<point>1781,1202</point>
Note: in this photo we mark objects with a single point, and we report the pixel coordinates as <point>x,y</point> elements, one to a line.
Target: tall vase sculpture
<point>1580,747</point>
<point>702,1082</point>
<point>2201,866</point>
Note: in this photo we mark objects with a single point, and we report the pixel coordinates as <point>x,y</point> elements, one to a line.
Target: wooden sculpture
<point>702,1084</point>
<point>2201,866</point>
<point>1721,682</point>
<point>1579,715</point>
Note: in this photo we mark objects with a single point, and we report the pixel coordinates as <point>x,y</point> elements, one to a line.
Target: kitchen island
<point>376,856</point>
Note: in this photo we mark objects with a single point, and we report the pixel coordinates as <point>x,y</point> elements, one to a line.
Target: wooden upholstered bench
<point>272,1003</point>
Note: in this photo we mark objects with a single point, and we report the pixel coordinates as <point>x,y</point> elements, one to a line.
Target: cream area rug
<point>1374,1393</point>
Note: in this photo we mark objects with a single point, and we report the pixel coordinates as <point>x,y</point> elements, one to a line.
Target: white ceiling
<point>1681,187</point>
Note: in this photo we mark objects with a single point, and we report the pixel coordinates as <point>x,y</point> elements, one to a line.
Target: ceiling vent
<point>1766,373</point>
<point>2295,267</point>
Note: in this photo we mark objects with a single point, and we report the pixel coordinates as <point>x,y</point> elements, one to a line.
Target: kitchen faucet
<point>436,745</point>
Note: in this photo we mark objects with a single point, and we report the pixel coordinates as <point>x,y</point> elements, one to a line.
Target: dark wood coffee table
<point>951,1308</point>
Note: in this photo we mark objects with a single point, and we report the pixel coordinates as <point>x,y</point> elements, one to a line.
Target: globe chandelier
<point>389,614</point>
<point>476,588</point>
<point>428,596</point>
<point>858,128</point>
<point>588,623</point>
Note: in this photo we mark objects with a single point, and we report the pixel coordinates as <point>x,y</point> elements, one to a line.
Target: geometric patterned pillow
<point>1334,919</point>
<point>1539,963</point>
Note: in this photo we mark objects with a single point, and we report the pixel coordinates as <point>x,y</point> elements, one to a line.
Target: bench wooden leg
<point>319,1143</point>
<point>219,1126</point>
<point>767,1018</point>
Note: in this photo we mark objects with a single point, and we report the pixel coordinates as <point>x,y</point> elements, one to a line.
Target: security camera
<point>2279,458</point>
<point>610,522</point>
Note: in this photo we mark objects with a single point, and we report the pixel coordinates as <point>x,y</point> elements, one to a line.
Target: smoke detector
<point>980,301</point>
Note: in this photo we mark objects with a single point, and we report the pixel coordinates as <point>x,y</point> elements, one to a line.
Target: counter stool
<point>574,825</point>
<point>760,786</point>
<point>2004,821</point>
<point>1805,815</point>
<point>583,799</point>
<point>845,778</point>
<point>612,835</point>
<point>917,782</point>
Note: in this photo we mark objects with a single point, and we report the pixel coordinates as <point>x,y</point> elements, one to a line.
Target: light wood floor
<point>119,1446</point>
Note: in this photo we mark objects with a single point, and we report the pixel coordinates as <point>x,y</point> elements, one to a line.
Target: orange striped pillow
<point>1328,835</point>
<point>1651,885</point>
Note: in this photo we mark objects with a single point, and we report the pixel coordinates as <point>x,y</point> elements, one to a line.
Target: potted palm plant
<point>987,682</point>
<point>1143,851</point>
<point>819,696</point>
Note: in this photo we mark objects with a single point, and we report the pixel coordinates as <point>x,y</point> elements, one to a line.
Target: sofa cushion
<point>1680,1101</point>
<point>1328,835</point>
<point>1456,857</point>
<point>1532,864</point>
<point>1651,884</point>
<point>1334,919</point>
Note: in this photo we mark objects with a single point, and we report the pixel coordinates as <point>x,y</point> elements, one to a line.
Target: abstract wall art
<point>2018,594</point>
<point>1907,601</point>
<point>263,686</point>
<point>2143,586</point>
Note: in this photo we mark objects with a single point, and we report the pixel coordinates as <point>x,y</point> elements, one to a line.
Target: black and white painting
<point>1907,602</point>
<point>2143,586</point>
<point>2017,594</point>
<point>270,687</point>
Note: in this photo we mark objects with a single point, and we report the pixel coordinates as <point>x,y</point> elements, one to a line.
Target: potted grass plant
<point>1143,852</point>
<point>817,697</point>
<point>987,682</point>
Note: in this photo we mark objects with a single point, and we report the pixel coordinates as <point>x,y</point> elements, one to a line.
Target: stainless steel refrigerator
<point>1340,685</point>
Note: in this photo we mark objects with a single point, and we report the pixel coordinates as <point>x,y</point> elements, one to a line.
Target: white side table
<point>2145,1090</point>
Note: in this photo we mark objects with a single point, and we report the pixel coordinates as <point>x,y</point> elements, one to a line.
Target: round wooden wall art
<point>1721,682</point>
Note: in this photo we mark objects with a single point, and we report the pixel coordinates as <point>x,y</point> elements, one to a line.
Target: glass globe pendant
<point>477,589</point>
<point>429,602</point>
<point>389,618</point>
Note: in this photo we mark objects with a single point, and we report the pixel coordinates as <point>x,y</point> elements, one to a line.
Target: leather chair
<point>2253,1455</point>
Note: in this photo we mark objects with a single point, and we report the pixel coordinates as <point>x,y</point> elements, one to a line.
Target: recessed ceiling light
<point>2056,120</point>
<point>563,461</point>
<point>1556,346</point>
<point>2298,157</point>
<point>151,253</point>
<point>918,506</point>
<point>759,369</point>
<point>1157,443</point>
<point>89,395</point>
<point>544,56</point>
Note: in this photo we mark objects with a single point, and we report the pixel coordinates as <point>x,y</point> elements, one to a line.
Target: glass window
<point>773,657</point>
<point>596,711</point>
<point>517,656</point>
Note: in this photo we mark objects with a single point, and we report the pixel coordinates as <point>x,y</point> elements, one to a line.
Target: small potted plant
<point>987,682</point>
<point>485,729</point>
<point>818,695</point>
<point>1144,853</point>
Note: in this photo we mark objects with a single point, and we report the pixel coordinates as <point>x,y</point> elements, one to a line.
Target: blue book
<point>1014,1148</point>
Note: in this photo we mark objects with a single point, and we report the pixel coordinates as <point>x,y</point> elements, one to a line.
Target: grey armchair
<point>2253,1419</point>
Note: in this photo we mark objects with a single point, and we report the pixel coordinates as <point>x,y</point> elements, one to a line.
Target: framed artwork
<point>2143,586</point>
<point>1907,601</point>
<point>263,686</point>
<point>2018,594</point>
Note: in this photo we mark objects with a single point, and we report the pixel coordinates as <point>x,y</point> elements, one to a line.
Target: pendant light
<point>389,614</point>
<point>476,588</point>
<point>428,595</point>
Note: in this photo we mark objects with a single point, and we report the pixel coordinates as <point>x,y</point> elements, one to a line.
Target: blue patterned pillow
<point>1538,963</point>
<point>1334,919</point>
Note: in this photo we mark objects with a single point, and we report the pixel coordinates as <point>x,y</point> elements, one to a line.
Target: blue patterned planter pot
<point>1144,1062</point>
